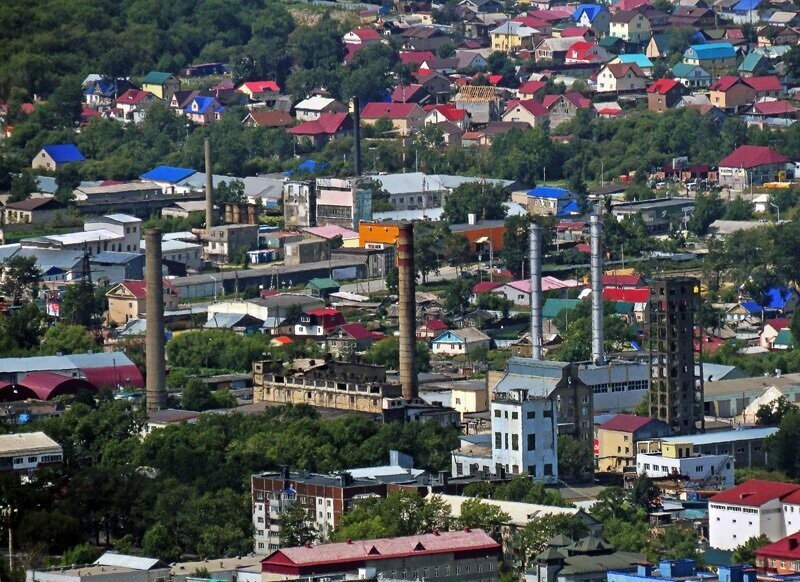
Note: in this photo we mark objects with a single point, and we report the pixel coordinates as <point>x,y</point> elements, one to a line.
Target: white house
<point>677,459</point>
<point>311,108</point>
<point>459,342</point>
<point>748,510</point>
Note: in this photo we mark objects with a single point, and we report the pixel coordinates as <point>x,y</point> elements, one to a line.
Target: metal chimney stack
<point>536,291</point>
<point>356,110</point>
<point>408,310</point>
<point>156,391</point>
<point>209,186</point>
<point>598,355</point>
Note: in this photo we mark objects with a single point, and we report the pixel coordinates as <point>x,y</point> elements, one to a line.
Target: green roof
<point>784,339</point>
<point>323,283</point>
<point>610,42</point>
<point>156,78</point>
<point>553,307</point>
<point>622,307</point>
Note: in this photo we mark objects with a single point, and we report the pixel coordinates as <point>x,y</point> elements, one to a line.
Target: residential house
<point>714,57</point>
<point>553,49</point>
<point>697,17</point>
<point>268,118</point>
<point>162,85</point>
<point>204,110</point>
<point>749,510</point>
<point>512,36</point>
<point>446,66</point>
<point>594,16</point>
<point>412,93</point>
<point>772,327</point>
<point>482,6</point>
<point>32,211</point>
<point>620,77</point>
<point>460,342</point>
<point>27,452</point>
<point>616,438</point>
<point>657,47</point>
<point>547,200</point>
<point>447,113</point>
<point>639,59</point>
<point>755,65</point>
<point>327,127</point>
<point>664,94</point>
<point>751,165</point>
<point>431,328</point>
<point>529,111</point>
<point>103,92</point>
<point>423,38</point>
<point>470,59</point>
<point>133,105</point>
<point>436,84</point>
<point>348,339</point>
<point>784,300</point>
<point>311,108</point>
<point>578,33</point>
<point>744,310</point>
<point>691,76</point>
<point>259,91</point>
<point>362,36</point>
<point>56,156</point>
<point>406,118</point>
<point>586,53</point>
<point>532,90</point>
<point>745,11</point>
<point>564,107</point>
<point>784,341</point>
<point>322,286</point>
<point>766,86</point>
<point>780,558</point>
<point>480,102</point>
<point>631,26</point>
<point>627,5</point>
<point>128,300</point>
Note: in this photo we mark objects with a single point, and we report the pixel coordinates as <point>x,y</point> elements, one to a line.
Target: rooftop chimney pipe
<point>536,290</point>
<point>408,310</point>
<point>598,355</point>
<point>209,186</point>
<point>154,304</point>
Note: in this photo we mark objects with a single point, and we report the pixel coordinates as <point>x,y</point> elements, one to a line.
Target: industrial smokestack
<point>598,355</point>
<point>536,291</point>
<point>408,310</point>
<point>209,186</point>
<point>356,108</point>
<point>154,356</point>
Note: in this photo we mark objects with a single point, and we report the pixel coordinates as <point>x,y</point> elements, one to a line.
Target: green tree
<point>746,552</point>
<point>477,514</point>
<point>383,127</point>
<point>23,329</point>
<point>739,209</point>
<point>457,250</point>
<point>21,279</point>
<point>386,352</point>
<point>645,494</point>
<point>83,305</point>
<point>160,543</point>
<point>708,207</point>
<point>484,200</point>
<point>576,331</point>
<point>676,542</point>
<point>67,339</point>
<point>784,454</point>
<point>457,298</point>
<point>772,413</point>
<point>230,192</point>
<point>296,528</point>
<point>197,396</point>
<point>80,554</point>
<point>22,185</point>
<point>575,460</point>
<point>399,514</point>
<point>392,280</point>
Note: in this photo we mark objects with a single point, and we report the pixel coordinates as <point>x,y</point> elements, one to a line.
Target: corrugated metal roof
<point>167,174</point>
<point>725,436</point>
<point>535,385</point>
<point>125,561</point>
<point>26,442</point>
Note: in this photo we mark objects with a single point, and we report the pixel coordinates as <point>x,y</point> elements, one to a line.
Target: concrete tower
<point>536,291</point>
<point>408,310</point>
<point>598,352</point>
<point>156,386</point>
<point>209,186</point>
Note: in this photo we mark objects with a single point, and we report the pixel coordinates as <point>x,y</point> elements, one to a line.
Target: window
<point>531,415</point>
<point>497,413</point>
<point>515,443</point>
<point>531,442</point>
<point>548,469</point>
<point>514,415</point>
<point>498,440</point>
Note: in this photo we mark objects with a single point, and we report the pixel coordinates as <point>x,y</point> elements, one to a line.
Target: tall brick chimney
<point>408,311</point>
<point>156,391</point>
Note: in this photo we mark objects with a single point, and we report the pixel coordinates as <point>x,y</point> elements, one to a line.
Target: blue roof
<point>752,307</point>
<point>637,58</point>
<point>572,208</point>
<point>698,38</point>
<point>685,69</point>
<point>167,174</point>
<point>64,153</point>
<point>747,5</point>
<point>715,50</point>
<point>549,192</point>
<point>778,297</point>
<point>591,10</point>
<point>309,166</point>
<point>203,103</point>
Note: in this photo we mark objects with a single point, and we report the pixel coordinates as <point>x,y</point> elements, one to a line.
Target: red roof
<point>532,22</point>
<point>139,288</point>
<point>626,423</point>
<point>356,330</point>
<point>628,5</point>
<point>485,286</point>
<point>405,93</point>
<point>724,83</point>
<point>133,97</point>
<point>571,31</point>
<point>448,111</point>
<point>417,57</point>
<point>582,50</point>
<point>89,112</point>
<point>113,376</point>
<point>622,280</point>
<point>531,106</point>
<point>573,97</point>
<point>261,86</point>
<point>351,554</point>
<point>436,325</point>
<point>778,107</point>
<point>531,87</point>
<point>325,312</point>
<point>778,323</point>
<point>366,34</point>
<point>47,385</point>
<point>786,549</point>
<point>377,110</point>
<point>552,15</point>
<point>766,83</point>
<point>663,86</point>
<point>755,493</point>
<point>629,295</point>
<point>748,156</point>
<point>325,124</point>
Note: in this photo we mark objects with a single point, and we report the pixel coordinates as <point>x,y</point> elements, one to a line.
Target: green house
<point>322,287</point>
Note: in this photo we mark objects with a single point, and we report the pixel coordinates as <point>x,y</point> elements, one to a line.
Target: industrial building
<point>677,461</point>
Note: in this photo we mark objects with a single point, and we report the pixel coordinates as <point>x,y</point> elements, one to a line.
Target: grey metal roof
<point>263,187</point>
<point>114,258</point>
<point>531,367</point>
<point>61,259</point>
<point>8,251</point>
<point>419,181</point>
<point>125,561</point>
<point>725,436</point>
<point>535,385</point>
<point>34,364</point>
<point>99,360</point>
<point>224,320</point>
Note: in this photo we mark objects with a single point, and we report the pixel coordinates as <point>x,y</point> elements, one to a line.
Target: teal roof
<point>639,60</point>
<point>156,78</point>
<point>610,42</point>
<point>552,307</point>
<point>750,63</point>
<point>323,283</point>
<point>683,70</point>
<point>784,339</point>
<point>623,307</point>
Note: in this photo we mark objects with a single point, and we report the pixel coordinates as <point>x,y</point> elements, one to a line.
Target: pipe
<point>154,304</point>
<point>356,108</point>
<point>598,355</point>
<point>209,186</point>
<point>536,291</point>
<point>408,310</point>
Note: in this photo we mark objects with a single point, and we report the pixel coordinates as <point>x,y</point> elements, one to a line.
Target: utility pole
<point>8,512</point>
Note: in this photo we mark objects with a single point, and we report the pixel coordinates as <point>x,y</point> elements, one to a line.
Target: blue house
<point>713,56</point>
<point>167,177</point>
<point>552,201</point>
<point>672,570</point>
<point>592,16</point>
<point>54,157</point>
<point>691,76</point>
<point>745,11</point>
<point>744,310</point>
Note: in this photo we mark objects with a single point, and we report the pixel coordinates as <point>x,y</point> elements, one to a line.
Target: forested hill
<point>44,40</point>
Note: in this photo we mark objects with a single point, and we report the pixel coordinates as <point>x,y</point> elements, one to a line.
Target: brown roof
<point>35,204</point>
<point>619,70</point>
<point>271,118</point>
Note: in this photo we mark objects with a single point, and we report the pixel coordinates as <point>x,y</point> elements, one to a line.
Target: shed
<point>322,287</point>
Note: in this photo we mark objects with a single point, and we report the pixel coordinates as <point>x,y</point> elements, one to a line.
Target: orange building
<point>480,233</point>
<point>377,234</point>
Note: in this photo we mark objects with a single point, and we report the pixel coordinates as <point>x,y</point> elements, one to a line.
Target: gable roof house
<point>268,118</point>
<point>133,105</point>
<point>551,201</point>
<point>754,65</point>
<point>584,52</point>
<point>619,77</point>
<point>406,118</point>
<point>713,57</point>
<point>512,36</point>
<point>553,49</point>
<point>105,91</point>
<point>412,93</point>
<point>203,110</point>
<point>531,90</point>
<point>695,16</point>
<point>260,90</point>
<point>529,111</point>
<point>631,26</point>
<point>362,36</point>
<point>751,164</point>
<point>127,300</point>
<point>564,107</point>
<point>327,127</point>
<point>423,38</point>
<point>594,16</point>
<point>311,108</point>
<point>664,94</point>
<point>691,76</point>
<point>731,93</point>
<point>162,85</point>
<point>56,156</point>
<point>480,102</point>
<point>460,341</point>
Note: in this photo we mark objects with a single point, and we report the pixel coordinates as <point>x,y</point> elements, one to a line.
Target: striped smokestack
<point>209,186</point>
<point>536,291</point>
<point>408,310</point>
<point>156,391</point>
<point>598,352</point>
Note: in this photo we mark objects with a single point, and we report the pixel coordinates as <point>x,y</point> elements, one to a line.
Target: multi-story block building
<point>299,204</point>
<point>676,460</point>
<point>26,452</point>
<point>226,242</point>
<point>343,202</point>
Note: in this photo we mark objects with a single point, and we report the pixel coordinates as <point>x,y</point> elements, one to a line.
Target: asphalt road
<point>367,286</point>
